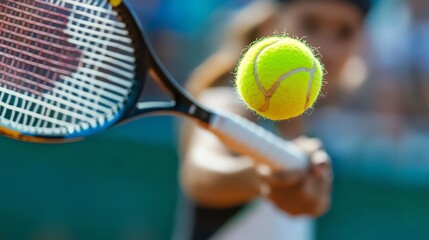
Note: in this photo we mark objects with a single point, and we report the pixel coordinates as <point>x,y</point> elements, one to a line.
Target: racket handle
<point>248,138</point>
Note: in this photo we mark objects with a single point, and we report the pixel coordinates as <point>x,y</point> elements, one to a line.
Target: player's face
<point>330,26</point>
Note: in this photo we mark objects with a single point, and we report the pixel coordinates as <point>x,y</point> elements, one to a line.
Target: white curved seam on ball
<point>310,72</point>
<point>268,94</point>
<point>255,68</point>
<point>310,83</point>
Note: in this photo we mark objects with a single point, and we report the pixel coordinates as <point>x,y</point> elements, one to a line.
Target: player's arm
<point>213,175</point>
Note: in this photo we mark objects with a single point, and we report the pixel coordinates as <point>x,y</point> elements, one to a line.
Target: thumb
<point>278,177</point>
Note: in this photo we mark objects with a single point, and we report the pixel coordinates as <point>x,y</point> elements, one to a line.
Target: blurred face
<point>330,26</point>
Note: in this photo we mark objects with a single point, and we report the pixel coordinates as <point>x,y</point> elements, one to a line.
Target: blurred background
<point>123,184</point>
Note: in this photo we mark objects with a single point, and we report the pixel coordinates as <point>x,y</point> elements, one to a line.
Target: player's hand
<point>300,193</point>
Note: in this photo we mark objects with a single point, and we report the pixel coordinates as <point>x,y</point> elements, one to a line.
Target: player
<point>215,176</point>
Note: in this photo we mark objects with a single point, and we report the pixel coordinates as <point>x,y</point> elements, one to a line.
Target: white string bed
<point>65,65</point>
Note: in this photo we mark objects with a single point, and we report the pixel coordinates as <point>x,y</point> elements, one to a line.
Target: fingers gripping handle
<point>248,138</point>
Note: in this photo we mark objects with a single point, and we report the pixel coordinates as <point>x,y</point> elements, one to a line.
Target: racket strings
<point>27,37</point>
<point>68,68</point>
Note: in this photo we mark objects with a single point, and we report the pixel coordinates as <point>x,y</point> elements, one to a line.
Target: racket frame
<point>182,102</point>
<point>147,62</point>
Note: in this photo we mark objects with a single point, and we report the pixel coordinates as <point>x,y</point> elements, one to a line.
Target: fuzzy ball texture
<point>279,77</point>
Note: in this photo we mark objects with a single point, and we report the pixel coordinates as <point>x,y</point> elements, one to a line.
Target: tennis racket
<point>72,68</point>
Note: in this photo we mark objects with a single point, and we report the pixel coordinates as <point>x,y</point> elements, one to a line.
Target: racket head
<point>54,94</point>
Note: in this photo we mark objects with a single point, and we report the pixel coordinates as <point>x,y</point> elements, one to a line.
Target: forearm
<point>210,173</point>
<point>217,178</point>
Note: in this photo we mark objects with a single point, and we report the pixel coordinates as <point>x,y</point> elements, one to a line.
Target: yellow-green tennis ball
<point>279,77</point>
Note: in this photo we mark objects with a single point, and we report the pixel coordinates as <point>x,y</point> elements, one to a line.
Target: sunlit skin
<point>333,27</point>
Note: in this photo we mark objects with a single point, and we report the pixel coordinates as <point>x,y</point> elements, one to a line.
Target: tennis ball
<point>279,77</point>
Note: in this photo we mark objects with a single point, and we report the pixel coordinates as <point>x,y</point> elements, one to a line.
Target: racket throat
<point>186,108</point>
<point>198,113</point>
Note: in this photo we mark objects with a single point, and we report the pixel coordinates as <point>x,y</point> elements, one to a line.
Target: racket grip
<point>248,138</point>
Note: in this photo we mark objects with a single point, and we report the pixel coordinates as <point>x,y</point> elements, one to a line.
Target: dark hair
<point>363,5</point>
